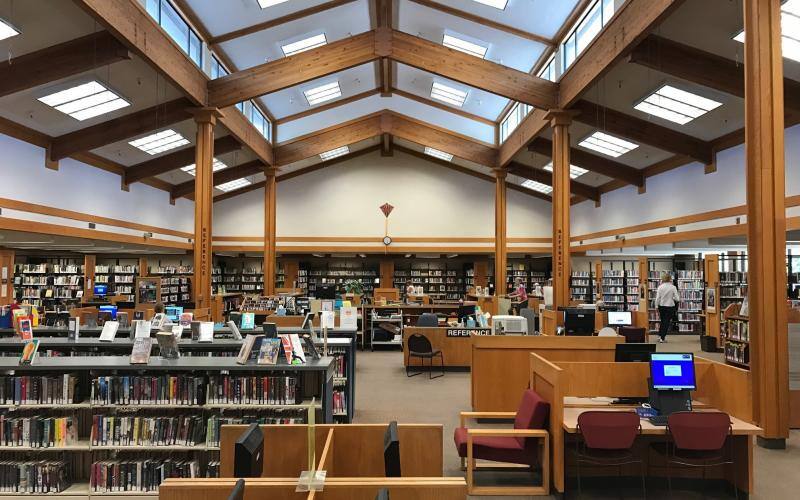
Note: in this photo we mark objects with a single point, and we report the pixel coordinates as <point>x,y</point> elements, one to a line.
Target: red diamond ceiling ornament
<point>386,209</point>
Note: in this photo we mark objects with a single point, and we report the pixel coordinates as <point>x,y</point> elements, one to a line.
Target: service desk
<point>455,344</point>
<point>500,363</point>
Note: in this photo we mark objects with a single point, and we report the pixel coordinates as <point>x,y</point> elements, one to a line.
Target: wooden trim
<point>696,234</point>
<point>589,161</point>
<point>328,106</point>
<point>444,107</point>
<point>380,249</point>
<point>379,239</point>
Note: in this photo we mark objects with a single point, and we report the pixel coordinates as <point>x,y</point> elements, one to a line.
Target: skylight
<point>470,48</point>
<point>304,44</point>
<point>269,3</point>
<point>676,105</point>
<point>574,172</point>
<point>160,142</point>
<point>85,101</point>
<point>608,144</point>
<point>6,30</point>
<point>790,30</point>
<point>215,165</point>
<point>438,154</point>
<point>236,184</point>
<point>323,93</point>
<point>447,94</point>
<point>497,4</point>
<point>333,153</point>
<point>537,186</point>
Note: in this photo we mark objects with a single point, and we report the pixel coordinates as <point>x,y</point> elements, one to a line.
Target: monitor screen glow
<point>672,371</point>
<point>620,318</point>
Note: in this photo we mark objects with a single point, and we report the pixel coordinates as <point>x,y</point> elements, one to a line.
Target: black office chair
<point>428,319</point>
<point>420,347</point>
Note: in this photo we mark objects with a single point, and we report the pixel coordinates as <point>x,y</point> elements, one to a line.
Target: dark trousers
<point>665,314</point>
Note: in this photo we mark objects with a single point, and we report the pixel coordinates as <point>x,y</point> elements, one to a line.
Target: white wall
<point>683,191</point>
<point>343,200</point>
<point>83,188</point>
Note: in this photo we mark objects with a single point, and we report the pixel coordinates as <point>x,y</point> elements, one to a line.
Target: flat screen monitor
<point>326,291</point>
<point>465,311</point>
<point>248,453</point>
<point>620,318</point>
<point>672,371</point>
<point>627,353</point>
<point>579,322</point>
<point>111,310</point>
<point>100,290</point>
<point>391,451</point>
<point>173,313</point>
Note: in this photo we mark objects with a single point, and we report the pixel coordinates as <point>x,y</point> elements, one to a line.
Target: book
<point>235,330</point>
<point>268,354</point>
<point>168,345</point>
<point>109,331</point>
<point>142,328</point>
<point>186,318</point>
<point>246,349</point>
<point>348,317</point>
<point>195,326</point>
<point>140,353</point>
<point>74,329</point>
<point>297,347</point>
<point>287,348</point>
<point>248,321</point>
<point>177,331</point>
<point>206,331</point>
<point>327,319</point>
<point>25,329</point>
<point>29,351</point>
<point>159,320</point>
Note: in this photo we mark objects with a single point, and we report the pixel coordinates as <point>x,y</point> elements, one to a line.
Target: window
<point>178,29</point>
<point>85,101</point>
<point>165,140</point>
<point>235,184</point>
<point>333,153</point>
<point>438,154</point>
<point>217,69</point>
<point>447,94</point>
<point>676,105</point>
<point>7,30</point>
<point>790,30</point>
<point>548,72</point>
<point>304,44</point>
<point>464,46</point>
<point>513,118</point>
<point>608,144</point>
<point>586,29</point>
<point>259,121</point>
<point>323,93</point>
<point>574,172</point>
<point>215,166</point>
<point>269,3</point>
<point>537,186</point>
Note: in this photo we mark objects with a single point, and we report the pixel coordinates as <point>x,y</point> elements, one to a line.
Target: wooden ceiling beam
<point>328,106</point>
<point>593,163</point>
<point>545,177</point>
<point>175,160</point>
<point>120,128</point>
<point>220,177</point>
<point>643,131</point>
<point>60,61</point>
<point>703,68</point>
<point>485,22</point>
<point>442,106</point>
<point>387,144</point>
<point>329,138</point>
<point>294,16</point>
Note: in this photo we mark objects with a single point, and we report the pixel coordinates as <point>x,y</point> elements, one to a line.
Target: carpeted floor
<point>384,393</point>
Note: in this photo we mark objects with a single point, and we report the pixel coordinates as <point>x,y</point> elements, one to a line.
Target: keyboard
<point>659,420</point>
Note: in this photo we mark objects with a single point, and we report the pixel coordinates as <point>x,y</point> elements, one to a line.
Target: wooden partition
<point>500,371</point>
<point>719,386</point>
<point>548,322</point>
<point>455,344</point>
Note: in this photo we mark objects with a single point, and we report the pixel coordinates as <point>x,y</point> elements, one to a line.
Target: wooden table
<point>455,344</point>
<point>740,427</point>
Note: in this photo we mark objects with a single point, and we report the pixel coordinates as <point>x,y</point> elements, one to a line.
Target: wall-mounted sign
<point>466,332</point>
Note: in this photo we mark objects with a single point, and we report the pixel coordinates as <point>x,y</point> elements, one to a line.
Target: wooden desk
<point>457,349</point>
<point>500,364</point>
<point>740,427</point>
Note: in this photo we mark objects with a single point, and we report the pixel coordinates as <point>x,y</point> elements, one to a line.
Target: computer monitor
<point>391,451</point>
<point>579,322</point>
<point>100,290</point>
<point>627,353</point>
<point>672,371</point>
<point>112,310</point>
<point>173,313</point>
<point>465,311</point>
<point>620,318</point>
<point>326,291</point>
<point>248,453</point>
<point>237,493</point>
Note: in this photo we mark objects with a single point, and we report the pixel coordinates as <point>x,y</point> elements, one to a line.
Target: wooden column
<point>480,273</point>
<point>6,276</point>
<point>205,118</point>
<point>387,273</point>
<point>89,263</point>
<point>766,219</point>
<point>291,269</point>
<point>143,271</point>
<point>559,122</point>
<point>270,205</point>
<point>642,315</point>
<point>711,274</point>
<point>597,271</point>
<point>500,249</point>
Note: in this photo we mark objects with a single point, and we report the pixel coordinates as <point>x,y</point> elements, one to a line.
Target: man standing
<point>667,299</point>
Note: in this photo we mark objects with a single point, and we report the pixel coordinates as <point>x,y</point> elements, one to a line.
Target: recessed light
<point>537,186</point>
<point>607,144</point>
<point>215,166</point>
<point>438,154</point>
<point>235,184</point>
<point>304,44</point>
<point>497,4</point>
<point>574,172</point>
<point>160,142</point>
<point>448,94</point>
<point>269,3</point>
<point>790,30</point>
<point>676,105</point>
<point>323,93</point>
<point>85,101</point>
<point>7,30</point>
<point>333,153</point>
<point>470,48</point>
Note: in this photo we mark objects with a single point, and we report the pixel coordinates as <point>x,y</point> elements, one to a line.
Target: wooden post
<point>387,273</point>
<point>598,280</point>
<point>500,249</point>
<point>89,263</point>
<point>766,219</point>
<point>642,315</point>
<point>291,269</point>
<point>143,271</point>
<point>6,276</point>
<point>205,118</point>
<point>270,205</point>
<point>559,122</point>
<point>712,319</point>
<point>480,271</point>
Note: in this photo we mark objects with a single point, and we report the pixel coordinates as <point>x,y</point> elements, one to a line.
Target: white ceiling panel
<point>222,17</point>
<point>42,23</point>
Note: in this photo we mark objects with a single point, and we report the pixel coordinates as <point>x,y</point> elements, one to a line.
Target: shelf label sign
<point>466,332</point>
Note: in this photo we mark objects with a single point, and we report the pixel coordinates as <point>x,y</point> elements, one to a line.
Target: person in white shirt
<point>667,299</point>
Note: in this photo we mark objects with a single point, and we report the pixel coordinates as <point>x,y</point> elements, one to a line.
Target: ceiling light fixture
<point>438,154</point>
<point>323,93</point>
<point>574,172</point>
<point>304,44</point>
<point>215,166</point>
<point>464,46</point>
<point>7,30</point>
<point>333,153</point>
<point>270,3</point>
<point>85,101</point>
<point>537,186</point>
<point>676,105</point>
<point>159,142</point>
<point>497,4</point>
<point>790,30</point>
<point>235,184</point>
<point>448,94</point>
<point>607,144</point>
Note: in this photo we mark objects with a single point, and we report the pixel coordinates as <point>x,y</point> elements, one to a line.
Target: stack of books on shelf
<point>737,342</point>
<point>48,285</point>
<point>114,430</point>
<point>339,276</point>
<point>143,475</point>
<point>614,287</point>
<point>690,308</point>
<point>632,290</point>
<point>581,286</point>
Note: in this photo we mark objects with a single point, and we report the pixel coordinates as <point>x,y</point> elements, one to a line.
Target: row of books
<point>215,423</point>
<point>340,402</point>
<point>37,431</point>
<point>41,476</point>
<point>27,389</point>
<point>148,389</point>
<point>252,390</point>
<point>147,431</point>
<point>138,475</point>
<point>117,269</point>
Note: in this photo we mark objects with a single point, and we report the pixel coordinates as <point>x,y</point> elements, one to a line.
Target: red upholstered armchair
<point>528,444</point>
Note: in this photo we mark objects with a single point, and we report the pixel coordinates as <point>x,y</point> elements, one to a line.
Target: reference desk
<point>455,343</point>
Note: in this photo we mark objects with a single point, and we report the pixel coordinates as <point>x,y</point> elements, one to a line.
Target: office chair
<point>420,347</point>
<point>633,334</point>
<point>428,319</point>
<point>531,317</point>
<point>607,331</point>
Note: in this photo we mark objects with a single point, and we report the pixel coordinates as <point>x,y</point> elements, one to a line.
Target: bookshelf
<point>120,278</point>
<point>737,341</point>
<point>439,279</point>
<point>338,272</point>
<point>613,287</point>
<point>581,286</point>
<point>176,283</point>
<point>690,310</point>
<point>530,271</point>
<point>632,285</point>
<point>49,282</point>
